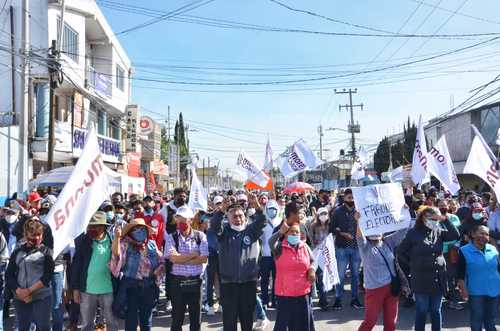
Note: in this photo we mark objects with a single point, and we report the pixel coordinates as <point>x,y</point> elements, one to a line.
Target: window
<point>69,42</point>
<point>102,122</point>
<point>120,78</point>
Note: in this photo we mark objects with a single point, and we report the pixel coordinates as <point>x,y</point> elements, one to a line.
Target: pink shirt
<point>291,271</point>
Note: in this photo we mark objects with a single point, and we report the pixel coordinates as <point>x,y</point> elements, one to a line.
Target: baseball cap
<point>322,210</point>
<point>185,212</point>
<point>148,198</point>
<point>34,196</point>
<point>241,197</point>
<point>218,199</point>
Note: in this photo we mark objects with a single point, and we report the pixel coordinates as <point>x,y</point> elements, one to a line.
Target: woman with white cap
<point>139,261</point>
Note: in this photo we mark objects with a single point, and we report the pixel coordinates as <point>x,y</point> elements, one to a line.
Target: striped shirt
<point>187,245</point>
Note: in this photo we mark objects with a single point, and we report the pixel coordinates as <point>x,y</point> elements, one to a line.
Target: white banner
<point>249,169</point>
<point>80,198</point>
<point>197,195</point>
<point>298,158</point>
<point>324,255</point>
<point>441,166</point>
<point>480,164</point>
<point>419,172</point>
<point>382,208</point>
<point>268,158</point>
<point>358,168</point>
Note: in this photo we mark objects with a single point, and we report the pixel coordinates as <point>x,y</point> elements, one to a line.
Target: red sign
<point>134,164</point>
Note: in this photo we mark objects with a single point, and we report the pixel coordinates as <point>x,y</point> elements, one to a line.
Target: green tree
<point>180,140</point>
<point>410,136</point>
<point>164,145</point>
<point>381,157</point>
<point>398,154</point>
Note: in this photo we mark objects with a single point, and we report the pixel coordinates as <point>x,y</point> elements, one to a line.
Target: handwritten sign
<point>381,208</point>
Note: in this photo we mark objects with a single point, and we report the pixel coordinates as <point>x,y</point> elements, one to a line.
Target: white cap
<point>185,212</point>
<point>241,197</point>
<point>322,210</point>
<point>218,199</point>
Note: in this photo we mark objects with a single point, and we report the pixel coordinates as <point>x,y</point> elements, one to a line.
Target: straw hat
<point>135,223</point>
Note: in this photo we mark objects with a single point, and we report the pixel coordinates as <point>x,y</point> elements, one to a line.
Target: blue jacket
<point>481,270</point>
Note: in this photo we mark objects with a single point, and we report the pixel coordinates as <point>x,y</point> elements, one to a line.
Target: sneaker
<point>261,324</point>
<point>168,307</point>
<point>337,305</point>
<point>356,304</point>
<point>211,311</point>
<point>455,306</point>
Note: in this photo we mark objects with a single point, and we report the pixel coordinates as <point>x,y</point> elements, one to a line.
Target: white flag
<point>268,159</point>
<point>480,164</point>
<point>80,198</point>
<point>441,166</point>
<point>498,137</point>
<point>324,255</point>
<point>358,168</point>
<point>250,170</point>
<point>298,158</point>
<point>197,194</point>
<point>419,172</point>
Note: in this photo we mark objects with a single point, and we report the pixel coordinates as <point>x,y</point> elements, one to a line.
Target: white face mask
<point>238,228</point>
<point>250,212</point>
<point>323,218</point>
<point>431,224</point>
<point>375,237</point>
<point>11,219</point>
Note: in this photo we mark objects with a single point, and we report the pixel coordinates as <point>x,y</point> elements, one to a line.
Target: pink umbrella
<point>298,187</point>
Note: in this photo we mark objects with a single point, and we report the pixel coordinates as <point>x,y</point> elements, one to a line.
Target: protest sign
<point>382,208</point>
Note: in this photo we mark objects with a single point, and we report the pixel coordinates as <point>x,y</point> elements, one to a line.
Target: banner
<point>297,158</point>
<point>382,208</point>
<point>441,166</point>
<point>80,198</point>
<point>419,172</point>
<point>268,158</point>
<point>480,164</point>
<point>358,168</point>
<point>250,170</point>
<point>326,260</point>
<point>197,194</point>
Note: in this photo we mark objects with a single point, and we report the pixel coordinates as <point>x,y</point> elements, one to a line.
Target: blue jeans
<point>212,271</point>
<point>482,312</point>
<point>266,269</point>
<point>323,299</point>
<point>140,300</point>
<point>347,257</point>
<point>428,304</point>
<point>56,285</point>
<point>37,312</point>
<point>260,313</point>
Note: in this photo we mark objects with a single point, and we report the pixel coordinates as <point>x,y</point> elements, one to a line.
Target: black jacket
<point>343,219</point>
<point>81,261</point>
<point>424,254</point>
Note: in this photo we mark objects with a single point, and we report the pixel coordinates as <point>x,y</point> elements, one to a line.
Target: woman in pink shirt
<point>295,273</point>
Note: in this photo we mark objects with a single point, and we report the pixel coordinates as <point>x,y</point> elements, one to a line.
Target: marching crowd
<point>250,252</point>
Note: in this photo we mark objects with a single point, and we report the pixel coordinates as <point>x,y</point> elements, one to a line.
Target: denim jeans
<point>323,298</point>
<point>428,304</point>
<point>212,271</point>
<point>347,257</point>
<point>140,300</point>
<point>482,312</point>
<point>37,312</point>
<point>57,284</point>
<point>260,313</point>
<point>266,269</point>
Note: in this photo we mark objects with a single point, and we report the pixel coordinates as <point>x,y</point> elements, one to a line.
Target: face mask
<point>35,241</point>
<point>477,216</point>
<point>238,228</point>
<point>323,218</point>
<point>182,227</point>
<point>119,216</point>
<point>375,237</point>
<point>271,213</point>
<point>179,202</point>
<point>11,219</point>
<point>349,203</point>
<point>139,235</point>
<point>250,212</point>
<point>431,224</point>
<point>148,209</point>
<point>92,233</point>
<point>293,239</point>
<point>109,216</point>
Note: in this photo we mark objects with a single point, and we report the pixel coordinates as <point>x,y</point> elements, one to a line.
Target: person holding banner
<point>422,250</point>
<point>295,273</point>
<point>319,232</point>
<point>28,276</point>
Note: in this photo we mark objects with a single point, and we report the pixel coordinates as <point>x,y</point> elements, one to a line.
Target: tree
<point>410,136</point>
<point>180,140</point>
<point>381,157</point>
<point>164,145</point>
<point>398,154</point>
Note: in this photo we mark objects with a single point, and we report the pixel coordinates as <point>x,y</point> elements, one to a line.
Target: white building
<point>95,88</point>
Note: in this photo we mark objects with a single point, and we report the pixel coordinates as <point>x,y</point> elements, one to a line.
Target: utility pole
<point>320,131</point>
<point>178,157</point>
<point>13,95</point>
<point>203,173</point>
<point>352,128</point>
<point>208,187</point>
<point>168,147</point>
<point>23,120</point>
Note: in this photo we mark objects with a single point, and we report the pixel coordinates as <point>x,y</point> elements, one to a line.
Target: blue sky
<point>179,51</point>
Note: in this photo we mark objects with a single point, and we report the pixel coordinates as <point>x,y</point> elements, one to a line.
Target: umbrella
<point>298,187</point>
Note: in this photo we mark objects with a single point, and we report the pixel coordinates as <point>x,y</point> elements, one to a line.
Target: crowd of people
<point>248,253</point>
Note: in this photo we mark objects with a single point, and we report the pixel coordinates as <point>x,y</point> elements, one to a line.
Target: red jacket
<point>157,222</point>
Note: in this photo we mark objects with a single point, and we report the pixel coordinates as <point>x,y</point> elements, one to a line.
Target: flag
<point>480,164</point>
<point>80,198</point>
<point>441,166</point>
<point>324,255</point>
<point>419,172</point>
<point>268,158</point>
<point>250,170</point>
<point>297,158</point>
<point>358,168</point>
<point>498,137</point>
<point>197,194</point>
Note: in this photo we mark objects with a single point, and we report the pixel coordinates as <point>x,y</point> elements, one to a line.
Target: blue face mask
<point>119,216</point>
<point>477,216</point>
<point>109,216</point>
<point>293,239</point>
<point>140,235</point>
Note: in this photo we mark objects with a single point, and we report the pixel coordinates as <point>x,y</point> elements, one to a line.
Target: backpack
<point>175,236</point>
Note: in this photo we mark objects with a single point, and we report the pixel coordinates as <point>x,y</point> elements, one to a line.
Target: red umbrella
<point>298,187</point>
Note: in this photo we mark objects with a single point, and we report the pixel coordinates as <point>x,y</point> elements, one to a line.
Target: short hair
<point>347,191</point>
<point>119,206</point>
<point>117,194</point>
<point>293,207</point>
<point>235,206</point>
<point>476,227</point>
<point>32,225</point>
<point>179,190</point>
